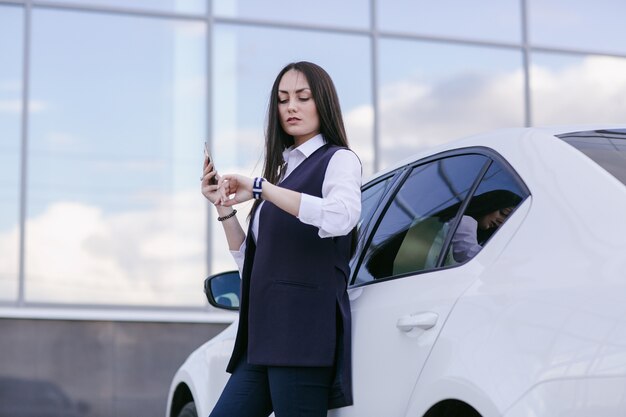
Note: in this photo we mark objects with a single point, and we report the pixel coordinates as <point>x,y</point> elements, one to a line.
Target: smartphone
<point>207,155</point>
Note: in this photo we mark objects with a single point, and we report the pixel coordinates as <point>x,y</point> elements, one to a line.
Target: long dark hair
<point>489,202</point>
<point>328,109</point>
<point>481,205</point>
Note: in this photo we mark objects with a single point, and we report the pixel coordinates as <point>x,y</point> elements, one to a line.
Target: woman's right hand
<point>208,190</point>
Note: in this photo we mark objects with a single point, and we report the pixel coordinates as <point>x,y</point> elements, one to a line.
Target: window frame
<point>393,177</point>
<point>395,186</point>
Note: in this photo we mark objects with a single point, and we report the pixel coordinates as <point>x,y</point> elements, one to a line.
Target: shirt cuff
<point>239,256</point>
<point>310,210</point>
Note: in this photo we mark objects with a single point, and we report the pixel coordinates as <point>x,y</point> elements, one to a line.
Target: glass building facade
<point>105,105</point>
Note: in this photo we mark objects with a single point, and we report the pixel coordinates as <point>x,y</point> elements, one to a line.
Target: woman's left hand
<point>235,189</point>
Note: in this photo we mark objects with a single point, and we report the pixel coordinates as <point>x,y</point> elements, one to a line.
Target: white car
<point>531,322</point>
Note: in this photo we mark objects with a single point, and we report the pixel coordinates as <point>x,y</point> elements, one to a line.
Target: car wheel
<point>189,410</point>
<point>452,408</point>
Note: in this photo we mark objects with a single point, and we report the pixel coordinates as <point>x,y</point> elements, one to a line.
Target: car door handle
<point>422,321</point>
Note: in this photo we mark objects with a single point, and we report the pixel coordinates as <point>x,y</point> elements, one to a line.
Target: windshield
<point>606,147</point>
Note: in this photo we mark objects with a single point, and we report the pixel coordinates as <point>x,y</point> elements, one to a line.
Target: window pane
<point>243,74</point>
<point>493,20</point>
<point>370,199</point>
<point>430,93</point>
<point>569,89</point>
<point>114,211</point>
<point>166,6</point>
<point>11,46</point>
<point>497,195</point>
<point>348,13</point>
<point>578,24</point>
<point>606,148</point>
<point>411,234</point>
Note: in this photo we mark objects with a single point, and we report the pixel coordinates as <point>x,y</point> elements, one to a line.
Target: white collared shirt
<point>338,210</point>
<point>465,241</point>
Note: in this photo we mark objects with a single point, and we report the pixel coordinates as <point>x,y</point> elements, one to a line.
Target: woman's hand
<point>234,189</point>
<point>235,235</point>
<point>211,192</point>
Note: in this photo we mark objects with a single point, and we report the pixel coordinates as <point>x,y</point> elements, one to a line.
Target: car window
<point>371,196</point>
<point>409,237</point>
<point>495,199</point>
<point>607,148</point>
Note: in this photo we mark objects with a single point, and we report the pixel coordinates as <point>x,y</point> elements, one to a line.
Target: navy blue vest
<point>294,308</point>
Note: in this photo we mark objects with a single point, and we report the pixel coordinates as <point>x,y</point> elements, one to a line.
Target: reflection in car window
<point>370,197</point>
<point>496,197</point>
<point>411,233</point>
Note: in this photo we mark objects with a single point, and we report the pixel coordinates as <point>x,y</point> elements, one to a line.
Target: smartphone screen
<point>207,155</point>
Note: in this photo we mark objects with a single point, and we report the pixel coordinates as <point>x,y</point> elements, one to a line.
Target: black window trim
<point>403,173</point>
<point>395,176</point>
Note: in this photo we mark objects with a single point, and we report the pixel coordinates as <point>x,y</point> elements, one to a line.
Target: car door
<point>403,287</point>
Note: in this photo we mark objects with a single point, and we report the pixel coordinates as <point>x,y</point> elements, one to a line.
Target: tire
<point>189,410</point>
<point>452,408</point>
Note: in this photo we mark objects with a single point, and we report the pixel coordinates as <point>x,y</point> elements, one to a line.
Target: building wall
<point>113,369</point>
<point>105,105</point>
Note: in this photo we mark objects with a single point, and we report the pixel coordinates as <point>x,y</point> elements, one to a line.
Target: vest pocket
<point>297,284</point>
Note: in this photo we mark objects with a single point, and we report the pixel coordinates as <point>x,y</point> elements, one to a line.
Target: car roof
<point>499,139</point>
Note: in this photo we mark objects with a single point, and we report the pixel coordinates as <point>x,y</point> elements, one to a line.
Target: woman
<point>292,351</point>
<point>484,214</point>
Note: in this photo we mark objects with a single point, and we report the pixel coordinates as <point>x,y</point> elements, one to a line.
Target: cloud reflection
<point>77,252</point>
<point>415,115</point>
<point>15,106</point>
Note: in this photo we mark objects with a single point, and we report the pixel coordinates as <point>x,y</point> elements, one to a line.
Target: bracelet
<point>257,187</point>
<point>228,216</point>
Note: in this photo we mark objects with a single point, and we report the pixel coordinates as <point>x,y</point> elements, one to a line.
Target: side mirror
<point>223,290</point>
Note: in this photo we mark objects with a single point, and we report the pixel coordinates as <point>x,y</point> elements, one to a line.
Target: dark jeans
<point>256,391</point>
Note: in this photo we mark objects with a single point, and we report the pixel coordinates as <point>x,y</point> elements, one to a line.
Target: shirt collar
<point>307,148</point>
